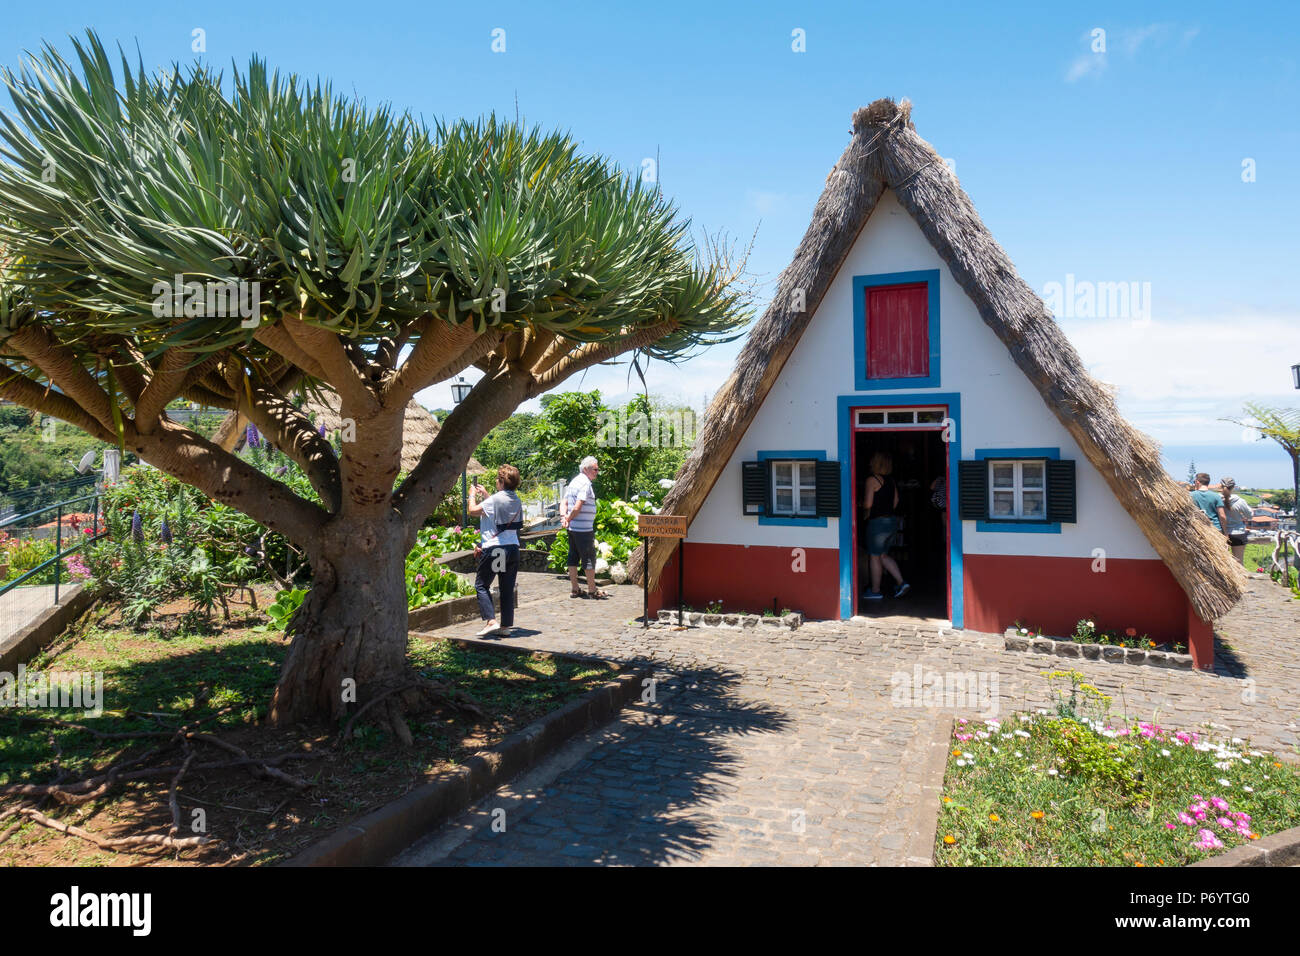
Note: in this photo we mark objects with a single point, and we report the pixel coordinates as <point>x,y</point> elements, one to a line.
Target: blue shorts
<point>880,534</point>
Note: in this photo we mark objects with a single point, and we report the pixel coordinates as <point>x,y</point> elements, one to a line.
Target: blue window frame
<point>1020,525</point>
<point>860,285</point>
<point>798,521</point>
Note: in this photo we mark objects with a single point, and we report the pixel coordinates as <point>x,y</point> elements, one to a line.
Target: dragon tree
<point>238,241</point>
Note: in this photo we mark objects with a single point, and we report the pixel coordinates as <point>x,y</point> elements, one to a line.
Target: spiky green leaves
<point>359,219</point>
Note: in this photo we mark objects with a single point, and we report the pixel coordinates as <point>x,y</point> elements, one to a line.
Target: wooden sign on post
<point>660,526</point>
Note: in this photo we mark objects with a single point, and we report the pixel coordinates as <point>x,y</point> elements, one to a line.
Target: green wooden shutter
<point>973,490</point>
<point>828,489</point>
<point>1061,497</point>
<point>754,477</point>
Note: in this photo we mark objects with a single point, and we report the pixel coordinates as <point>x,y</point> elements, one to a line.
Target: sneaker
<point>874,596</point>
<point>503,631</point>
<point>902,589</point>
<point>488,631</point>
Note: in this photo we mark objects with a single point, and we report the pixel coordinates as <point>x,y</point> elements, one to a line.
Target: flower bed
<point>616,538</point>
<point>1076,786</point>
<point>1090,643</point>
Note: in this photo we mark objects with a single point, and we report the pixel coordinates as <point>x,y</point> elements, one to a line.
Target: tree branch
<point>18,388</point>
<point>594,353</point>
<point>278,340</point>
<point>437,348</point>
<point>340,371</point>
<point>36,344</point>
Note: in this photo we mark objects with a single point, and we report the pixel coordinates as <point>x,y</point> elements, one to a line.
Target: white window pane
<point>1004,475</point>
<point>784,499</point>
<point>1033,504</point>
<point>1004,504</point>
<point>782,472</point>
<point>807,501</point>
<point>1033,474</point>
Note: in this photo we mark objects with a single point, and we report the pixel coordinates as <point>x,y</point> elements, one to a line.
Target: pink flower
<point>1170,826</point>
<point>1207,841</point>
<point>1219,803</point>
<point>419,579</point>
<point>964,736</point>
<point>1225,823</point>
<point>1185,819</point>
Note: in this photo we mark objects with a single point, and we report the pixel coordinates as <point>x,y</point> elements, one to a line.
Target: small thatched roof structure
<point>418,430</point>
<point>886,153</point>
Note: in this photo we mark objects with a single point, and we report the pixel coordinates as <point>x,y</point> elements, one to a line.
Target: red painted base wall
<point>1055,593</point>
<point>751,578</point>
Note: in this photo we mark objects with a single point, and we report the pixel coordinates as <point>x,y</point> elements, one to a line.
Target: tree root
<point>113,843</point>
<point>412,697</point>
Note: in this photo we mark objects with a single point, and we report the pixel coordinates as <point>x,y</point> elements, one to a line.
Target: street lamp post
<point>460,390</point>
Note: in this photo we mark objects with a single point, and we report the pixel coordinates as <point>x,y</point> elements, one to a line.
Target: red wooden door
<point>898,331</point>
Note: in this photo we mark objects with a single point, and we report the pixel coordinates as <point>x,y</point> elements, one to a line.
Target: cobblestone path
<point>806,747</point>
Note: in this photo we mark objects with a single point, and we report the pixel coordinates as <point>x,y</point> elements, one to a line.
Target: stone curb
<point>455,611</point>
<point>380,835</point>
<point>733,622</point>
<point>1280,849</point>
<point>25,644</point>
<point>920,840</point>
<point>1109,653</point>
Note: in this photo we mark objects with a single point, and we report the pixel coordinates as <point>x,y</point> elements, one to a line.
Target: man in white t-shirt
<point>580,522</point>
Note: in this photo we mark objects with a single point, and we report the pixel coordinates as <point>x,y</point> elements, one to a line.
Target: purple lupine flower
<point>282,471</point>
<point>321,430</point>
<point>165,532</point>
<point>251,437</point>
<point>137,527</point>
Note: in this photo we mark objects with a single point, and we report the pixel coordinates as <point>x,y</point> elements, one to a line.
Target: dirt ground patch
<point>219,683</point>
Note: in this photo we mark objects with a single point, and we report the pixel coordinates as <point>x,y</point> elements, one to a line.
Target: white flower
<point>1019,754</point>
<point>1224,782</point>
<point>1023,733</point>
<point>1051,771</point>
<point>1238,740</point>
<point>961,763</point>
<point>1090,624</point>
<point>665,482</point>
<point>1224,765</point>
<point>1164,753</point>
<point>1248,789</point>
<point>967,756</point>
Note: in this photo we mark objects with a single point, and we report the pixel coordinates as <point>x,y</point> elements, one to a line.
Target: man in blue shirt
<point>1210,503</point>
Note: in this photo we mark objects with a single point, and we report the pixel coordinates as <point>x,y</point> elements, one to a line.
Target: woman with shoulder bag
<point>502,515</point>
<point>1238,513</point>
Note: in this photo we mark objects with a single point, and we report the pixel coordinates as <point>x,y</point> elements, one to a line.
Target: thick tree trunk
<point>350,635</point>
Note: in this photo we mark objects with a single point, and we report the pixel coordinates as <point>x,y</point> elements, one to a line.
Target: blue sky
<point>1117,166</point>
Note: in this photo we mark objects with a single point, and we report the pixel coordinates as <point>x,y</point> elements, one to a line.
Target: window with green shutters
<point>1035,492</point>
<point>791,488</point>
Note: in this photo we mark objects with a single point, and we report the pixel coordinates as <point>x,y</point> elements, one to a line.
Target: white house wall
<point>999,408</point>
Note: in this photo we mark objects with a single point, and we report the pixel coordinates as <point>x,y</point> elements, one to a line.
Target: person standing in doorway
<point>580,521</point>
<point>880,505</point>
<point>1210,503</point>
<point>501,516</point>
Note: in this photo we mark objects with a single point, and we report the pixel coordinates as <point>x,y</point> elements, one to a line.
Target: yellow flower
<point>947,799</point>
<point>1139,863</point>
<point>993,817</point>
<point>950,840</point>
<point>1037,814</point>
<point>957,753</point>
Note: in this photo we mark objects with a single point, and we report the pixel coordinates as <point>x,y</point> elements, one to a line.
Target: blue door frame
<point>844,406</point>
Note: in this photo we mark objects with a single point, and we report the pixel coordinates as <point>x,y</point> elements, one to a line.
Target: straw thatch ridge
<point>885,152</point>
<point>419,428</point>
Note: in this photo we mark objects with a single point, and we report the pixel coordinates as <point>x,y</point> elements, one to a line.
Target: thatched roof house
<point>418,430</point>
<point>894,241</point>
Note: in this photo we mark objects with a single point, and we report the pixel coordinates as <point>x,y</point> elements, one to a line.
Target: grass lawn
<point>226,678</point>
<point>1256,556</point>
<point>1079,788</point>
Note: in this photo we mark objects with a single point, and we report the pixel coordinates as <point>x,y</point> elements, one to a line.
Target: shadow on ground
<point>639,798</point>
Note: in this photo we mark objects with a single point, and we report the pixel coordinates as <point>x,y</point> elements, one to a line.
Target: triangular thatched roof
<point>885,152</point>
<point>418,429</point>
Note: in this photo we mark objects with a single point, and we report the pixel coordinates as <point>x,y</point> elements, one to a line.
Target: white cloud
<point>1177,379</point>
<point>1085,65</point>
